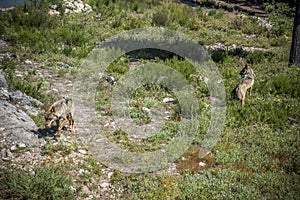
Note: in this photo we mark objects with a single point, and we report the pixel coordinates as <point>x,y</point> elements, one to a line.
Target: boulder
<point>29,105</point>
<point>3,82</point>
<point>17,126</point>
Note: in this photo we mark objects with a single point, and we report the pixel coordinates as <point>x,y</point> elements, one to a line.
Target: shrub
<point>45,183</point>
<point>160,18</point>
<point>255,57</point>
<point>281,16</point>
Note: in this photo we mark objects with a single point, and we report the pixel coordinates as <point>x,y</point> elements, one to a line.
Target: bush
<point>281,16</point>
<point>46,183</point>
<point>255,57</point>
<point>160,18</point>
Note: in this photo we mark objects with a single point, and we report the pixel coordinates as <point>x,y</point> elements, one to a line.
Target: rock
<point>8,153</point>
<point>110,174</point>
<point>110,80</point>
<point>28,62</point>
<point>19,127</point>
<point>30,105</point>
<point>72,188</point>
<point>205,79</point>
<point>69,5</point>
<point>54,7</point>
<point>53,12</point>
<point>3,82</point>
<point>202,164</point>
<point>82,151</point>
<point>168,100</point>
<point>11,56</point>
<point>4,94</point>
<point>13,148</point>
<point>104,185</point>
<point>98,16</point>
<point>21,145</point>
<point>79,5</point>
<point>146,109</point>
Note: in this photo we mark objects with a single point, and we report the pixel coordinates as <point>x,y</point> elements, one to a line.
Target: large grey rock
<point>29,105</point>
<point>4,94</point>
<point>3,82</point>
<point>17,127</point>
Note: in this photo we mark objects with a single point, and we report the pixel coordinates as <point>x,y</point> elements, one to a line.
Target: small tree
<point>295,47</point>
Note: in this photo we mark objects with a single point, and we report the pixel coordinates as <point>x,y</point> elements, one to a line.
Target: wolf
<point>246,82</point>
<point>60,112</point>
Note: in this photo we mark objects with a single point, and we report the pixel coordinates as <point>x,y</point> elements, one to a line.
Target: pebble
<point>202,164</point>
<point>168,100</point>
<point>21,145</point>
<point>28,62</point>
<point>82,151</point>
<point>104,185</point>
<point>110,174</point>
<point>13,148</point>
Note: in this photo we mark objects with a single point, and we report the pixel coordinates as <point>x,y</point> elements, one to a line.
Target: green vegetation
<point>257,155</point>
<point>44,183</point>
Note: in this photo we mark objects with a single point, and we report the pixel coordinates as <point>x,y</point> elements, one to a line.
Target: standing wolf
<point>246,82</point>
<point>60,112</point>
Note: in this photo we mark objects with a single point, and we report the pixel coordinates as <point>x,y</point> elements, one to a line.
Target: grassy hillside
<point>257,155</point>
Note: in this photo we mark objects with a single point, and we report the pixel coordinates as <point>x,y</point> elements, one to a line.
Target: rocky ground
<point>24,145</point>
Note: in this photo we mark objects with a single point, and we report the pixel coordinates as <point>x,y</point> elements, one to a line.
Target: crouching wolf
<point>246,82</point>
<point>60,112</point>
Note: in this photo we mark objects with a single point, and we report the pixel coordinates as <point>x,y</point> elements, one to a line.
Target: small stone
<point>21,145</point>
<point>168,100</point>
<point>53,12</point>
<point>104,185</point>
<point>202,164</point>
<point>8,153</point>
<point>13,148</point>
<point>54,90</point>
<point>82,151</point>
<point>72,188</point>
<point>32,172</point>
<point>28,62</point>
<point>5,159</point>
<point>146,109</point>
<point>54,7</point>
<point>205,79</point>
<point>110,174</point>
<point>81,171</point>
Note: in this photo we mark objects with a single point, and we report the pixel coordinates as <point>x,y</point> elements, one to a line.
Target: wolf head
<point>50,116</point>
<point>247,71</point>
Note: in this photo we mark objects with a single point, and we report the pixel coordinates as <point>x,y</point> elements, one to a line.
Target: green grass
<point>45,183</point>
<point>257,155</point>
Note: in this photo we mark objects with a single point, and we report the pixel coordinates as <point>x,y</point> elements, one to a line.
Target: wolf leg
<point>58,133</point>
